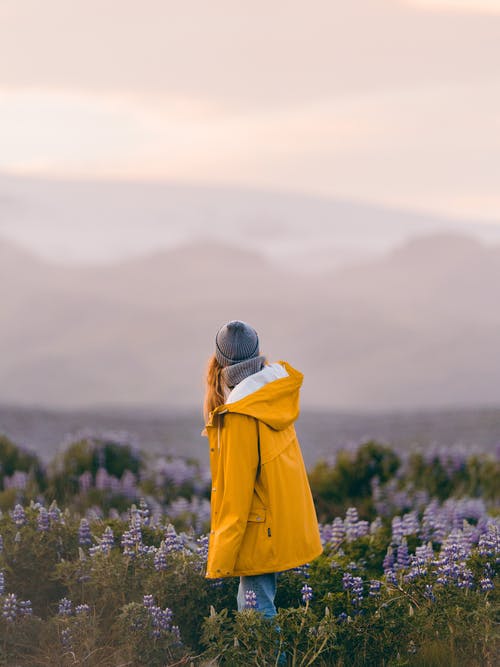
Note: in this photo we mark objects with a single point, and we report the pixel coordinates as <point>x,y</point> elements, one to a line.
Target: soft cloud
<point>157,136</point>
<point>473,6</point>
<point>432,148</point>
<point>371,100</point>
<point>259,54</point>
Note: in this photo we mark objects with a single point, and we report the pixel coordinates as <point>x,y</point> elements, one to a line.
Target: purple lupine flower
<point>107,540</point>
<point>148,601</point>
<point>451,563</point>
<point>1,544</point>
<point>84,536</point>
<point>250,599</point>
<point>2,583</point>
<point>145,549</point>
<point>19,515</point>
<point>354,585</point>
<point>465,578</point>
<point>161,618</point>
<point>338,531</point>
<point>202,547</point>
<point>357,591</point>
<point>172,541</point>
<point>325,533</point>
<point>403,558</point>
<point>178,507</point>
<point>397,530</point>
<point>135,524</point>
<point>18,480</point>
<point>347,581</point>
<point>55,514</point>
<point>390,577</point>
<point>65,607</point>
<point>350,523</point>
<point>418,562</point>
<point>132,538</point>
<point>303,570</point>
<point>9,609</point>
<point>486,584</point>
<point>176,471</point>
<point>388,559</point>
<point>25,608</point>
<point>132,542</point>
<point>160,558</point>
<point>144,510</point>
<point>342,617</point>
<point>85,482</point>
<point>307,593</point>
<point>42,521</point>
<point>429,593</point>
<point>489,541</point>
<point>83,609</point>
<point>114,484</point>
<point>460,509</point>
<point>362,528</point>
<point>351,515</point>
<point>128,484</point>
<point>94,513</point>
<point>489,571</point>
<point>105,543</point>
<point>129,544</point>
<point>425,551</point>
<point>410,523</point>
<point>102,479</point>
<point>429,521</point>
<point>161,621</point>
<point>374,590</point>
<point>66,639</point>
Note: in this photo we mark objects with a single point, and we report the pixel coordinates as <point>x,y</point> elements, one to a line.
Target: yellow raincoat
<point>268,523</point>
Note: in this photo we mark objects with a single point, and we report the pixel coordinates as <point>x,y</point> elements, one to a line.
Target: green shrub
<point>348,482</point>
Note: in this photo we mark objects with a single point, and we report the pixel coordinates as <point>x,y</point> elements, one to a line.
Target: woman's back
<point>273,513</point>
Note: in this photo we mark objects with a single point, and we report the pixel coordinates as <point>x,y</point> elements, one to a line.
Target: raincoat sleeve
<point>236,480</point>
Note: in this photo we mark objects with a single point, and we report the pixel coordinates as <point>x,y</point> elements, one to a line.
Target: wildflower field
<point>103,554</point>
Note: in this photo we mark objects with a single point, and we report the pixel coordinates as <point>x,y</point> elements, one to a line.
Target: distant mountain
<point>418,327</point>
<point>113,220</point>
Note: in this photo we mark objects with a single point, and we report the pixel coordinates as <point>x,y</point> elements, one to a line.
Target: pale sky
<point>389,101</point>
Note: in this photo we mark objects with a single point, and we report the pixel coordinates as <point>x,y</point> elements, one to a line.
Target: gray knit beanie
<point>237,350</point>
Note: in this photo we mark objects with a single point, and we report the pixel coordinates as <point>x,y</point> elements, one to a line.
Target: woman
<point>263,519</point>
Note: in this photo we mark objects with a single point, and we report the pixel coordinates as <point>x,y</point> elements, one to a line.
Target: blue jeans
<point>264,587</point>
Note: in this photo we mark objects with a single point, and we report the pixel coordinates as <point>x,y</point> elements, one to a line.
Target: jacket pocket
<point>257,549</point>
<point>258,515</point>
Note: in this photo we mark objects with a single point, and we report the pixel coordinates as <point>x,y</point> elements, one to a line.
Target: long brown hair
<point>215,386</point>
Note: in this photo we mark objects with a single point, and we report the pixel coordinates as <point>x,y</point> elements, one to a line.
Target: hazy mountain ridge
<point>102,221</point>
<point>417,327</point>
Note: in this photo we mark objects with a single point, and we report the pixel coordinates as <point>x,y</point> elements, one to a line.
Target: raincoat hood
<point>271,395</point>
